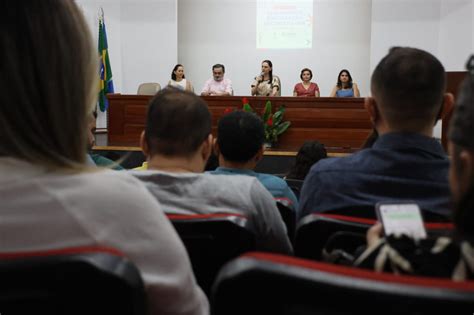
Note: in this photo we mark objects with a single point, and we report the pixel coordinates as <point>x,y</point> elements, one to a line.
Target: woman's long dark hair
<point>173,75</point>
<point>339,82</point>
<point>271,71</point>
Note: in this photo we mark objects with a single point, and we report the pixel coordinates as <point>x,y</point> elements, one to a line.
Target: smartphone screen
<point>401,218</point>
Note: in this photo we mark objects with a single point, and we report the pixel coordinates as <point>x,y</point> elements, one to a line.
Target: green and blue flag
<point>106,83</point>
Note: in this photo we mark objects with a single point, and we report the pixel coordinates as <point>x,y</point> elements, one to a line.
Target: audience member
<point>94,158</point>
<point>309,154</point>
<point>176,159</point>
<point>50,199</point>
<point>217,85</point>
<point>370,140</point>
<point>405,162</point>
<point>266,84</point>
<point>451,257</point>
<point>178,80</point>
<point>345,87</point>
<point>306,88</point>
<point>239,146</point>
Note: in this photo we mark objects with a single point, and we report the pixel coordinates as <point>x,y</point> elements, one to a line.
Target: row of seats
<point>102,281</point>
<point>214,239</point>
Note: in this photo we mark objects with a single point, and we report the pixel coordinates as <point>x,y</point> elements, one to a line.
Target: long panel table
<point>341,124</point>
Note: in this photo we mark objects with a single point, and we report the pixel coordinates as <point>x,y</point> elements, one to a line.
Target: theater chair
<point>259,283</point>
<point>288,215</point>
<point>295,185</point>
<point>82,280</point>
<point>315,230</point>
<point>212,240</point>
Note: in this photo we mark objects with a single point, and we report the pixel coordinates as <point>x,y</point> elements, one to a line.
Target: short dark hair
<point>218,65</point>
<point>310,73</point>
<point>409,86</point>
<point>461,129</point>
<point>177,123</point>
<point>173,75</point>
<point>240,135</point>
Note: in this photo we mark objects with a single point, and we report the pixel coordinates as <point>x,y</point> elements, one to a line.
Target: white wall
<point>442,27</point>
<point>146,39</point>
<point>224,31</point>
<point>142,37</point>
<point>456,33</point>
<point>404,23</point>
<point>149,29</point>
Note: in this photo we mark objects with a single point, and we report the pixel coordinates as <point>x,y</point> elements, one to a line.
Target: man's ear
<point>206,148</point>
<point>215,147</point>
<point>259,154</point>
<point>447,106</point>
<point>144,145</point>
<point>372,108</point>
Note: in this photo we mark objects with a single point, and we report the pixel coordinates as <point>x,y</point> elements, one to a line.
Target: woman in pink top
<point>306,88</point>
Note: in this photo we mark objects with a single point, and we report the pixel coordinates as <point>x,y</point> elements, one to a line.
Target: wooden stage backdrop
<point>341,124</point>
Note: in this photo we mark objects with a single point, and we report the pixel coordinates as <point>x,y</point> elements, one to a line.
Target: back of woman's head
<point>48,82</point>
<point>309,153</point>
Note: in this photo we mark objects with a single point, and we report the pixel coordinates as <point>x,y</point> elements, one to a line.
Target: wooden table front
<point>342,124</point>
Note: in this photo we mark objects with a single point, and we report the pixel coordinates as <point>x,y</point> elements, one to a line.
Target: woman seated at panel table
<point>178,79</point>
<point>306,88</point>
<point>266,84</point>
<point>345,87</point>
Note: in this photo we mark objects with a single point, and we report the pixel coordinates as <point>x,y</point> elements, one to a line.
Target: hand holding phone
<point>401,218</point>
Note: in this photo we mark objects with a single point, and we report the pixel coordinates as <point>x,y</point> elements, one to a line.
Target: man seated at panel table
<point>177,142</point>
<point>240,146</point>
<point>405,162</point>
<point>217,85</point>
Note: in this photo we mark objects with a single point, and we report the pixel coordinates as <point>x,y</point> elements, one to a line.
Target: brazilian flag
<point>106,83</point>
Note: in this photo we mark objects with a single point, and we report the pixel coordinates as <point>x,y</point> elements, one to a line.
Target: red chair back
<point>212,240</point>
<point>81,280</point>
<point>261,283</point>
<point>314,230</point>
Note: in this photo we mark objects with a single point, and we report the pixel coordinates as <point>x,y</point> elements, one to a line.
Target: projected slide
<point>284,24</point>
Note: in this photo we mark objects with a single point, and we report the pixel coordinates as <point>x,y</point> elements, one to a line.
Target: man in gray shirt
<point>177,142</point>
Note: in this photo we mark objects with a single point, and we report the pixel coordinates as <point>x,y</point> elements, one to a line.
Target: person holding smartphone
<point>448,256</point>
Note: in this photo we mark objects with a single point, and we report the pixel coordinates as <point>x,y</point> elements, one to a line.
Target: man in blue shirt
<point>405,162</point>
<point>239,146</point>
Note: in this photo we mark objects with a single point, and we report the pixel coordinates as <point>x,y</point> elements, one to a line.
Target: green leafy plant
<point>273,123</point>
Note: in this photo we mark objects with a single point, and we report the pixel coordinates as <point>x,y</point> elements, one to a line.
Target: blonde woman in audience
<point>306,88</point>
<point>178,80</point>
<point>50,199</point>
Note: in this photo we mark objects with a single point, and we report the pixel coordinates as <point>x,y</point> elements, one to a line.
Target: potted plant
<point>273,122</point>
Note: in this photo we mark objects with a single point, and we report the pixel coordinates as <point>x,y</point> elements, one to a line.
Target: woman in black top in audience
<point>453,256</point>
